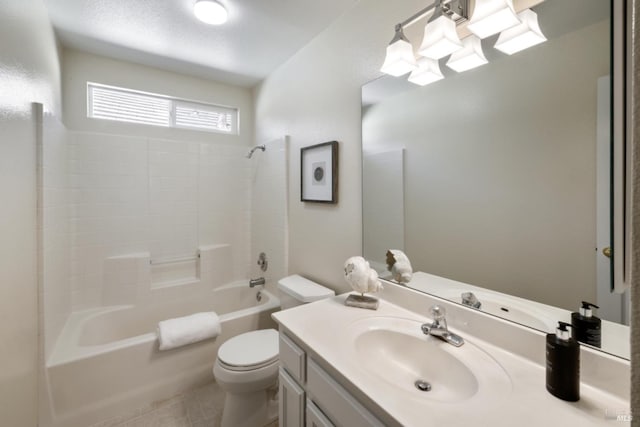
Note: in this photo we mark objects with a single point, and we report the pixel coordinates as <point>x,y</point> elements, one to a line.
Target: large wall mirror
<point>497,180</point>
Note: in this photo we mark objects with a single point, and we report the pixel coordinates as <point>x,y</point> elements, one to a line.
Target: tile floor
<point>201,407</point>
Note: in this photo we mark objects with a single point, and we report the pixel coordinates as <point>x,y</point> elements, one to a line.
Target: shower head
<point>257,147</point>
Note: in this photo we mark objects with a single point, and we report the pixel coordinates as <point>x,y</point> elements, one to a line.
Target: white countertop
<point>321,326</point>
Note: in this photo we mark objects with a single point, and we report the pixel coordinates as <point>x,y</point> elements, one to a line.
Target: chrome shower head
<point>258,147</point>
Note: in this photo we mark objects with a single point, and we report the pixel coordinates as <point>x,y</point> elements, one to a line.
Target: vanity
<point>345,366</point>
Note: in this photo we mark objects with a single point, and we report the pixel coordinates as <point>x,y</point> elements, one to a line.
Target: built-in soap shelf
<point>134,277</point>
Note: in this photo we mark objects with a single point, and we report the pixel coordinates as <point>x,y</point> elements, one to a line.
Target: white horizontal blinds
<point>206,117</point>
<point>126,106</point>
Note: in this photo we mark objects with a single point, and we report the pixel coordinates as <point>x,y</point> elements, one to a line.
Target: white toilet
<point>247,365</point>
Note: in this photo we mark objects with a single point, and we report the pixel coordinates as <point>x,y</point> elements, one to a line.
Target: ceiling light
<point>521,36</point>
<point>428,71</point>
<point>470,56</point>
<point>210,12</point>
<point>440,36</point>
<point>492,16</point>
<point>399,59</point>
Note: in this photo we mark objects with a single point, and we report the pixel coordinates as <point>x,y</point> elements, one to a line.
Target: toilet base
<point>253,409</point>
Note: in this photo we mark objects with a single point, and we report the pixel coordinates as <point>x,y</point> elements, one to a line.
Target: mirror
<point>496,181</point>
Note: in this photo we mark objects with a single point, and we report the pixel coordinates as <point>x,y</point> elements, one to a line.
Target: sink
<point>396,353</point>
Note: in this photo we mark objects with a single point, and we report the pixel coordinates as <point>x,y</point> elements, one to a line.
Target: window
<point>125,105</point>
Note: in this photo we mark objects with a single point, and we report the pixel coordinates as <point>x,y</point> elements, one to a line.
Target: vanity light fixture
<point>440,35</point>
<point>492,16</point>
<point>428,71</point>
<point>210,12</point>
<point>399,59</point>
<point>518,32</point>
<point>522,36</point>
<point>470,56</point>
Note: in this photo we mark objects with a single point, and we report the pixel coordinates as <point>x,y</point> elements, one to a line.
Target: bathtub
<point>106,361</point>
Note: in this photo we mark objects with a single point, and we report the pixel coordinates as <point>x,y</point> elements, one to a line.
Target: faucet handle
<point>437,312</point>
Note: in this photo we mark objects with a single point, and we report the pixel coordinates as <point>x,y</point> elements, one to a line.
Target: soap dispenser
<point>563,364</point>
<point>585,327</point>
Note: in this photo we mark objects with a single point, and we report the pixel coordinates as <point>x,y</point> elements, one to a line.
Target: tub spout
<point>256,282</point>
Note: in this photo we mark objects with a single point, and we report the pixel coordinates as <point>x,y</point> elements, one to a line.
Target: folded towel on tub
<point>185,330</point>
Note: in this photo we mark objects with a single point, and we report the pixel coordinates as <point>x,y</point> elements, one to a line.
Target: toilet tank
<point>296,290</point>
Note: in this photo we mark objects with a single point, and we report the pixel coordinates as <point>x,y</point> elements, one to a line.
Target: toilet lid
<point>250,349</point>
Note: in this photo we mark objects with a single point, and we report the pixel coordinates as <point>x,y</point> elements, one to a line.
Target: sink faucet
<point>256,282</point>
<point>470,300</point>
<point>439,327</point>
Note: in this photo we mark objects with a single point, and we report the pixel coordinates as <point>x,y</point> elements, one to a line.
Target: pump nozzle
<point>585,310</point>
<point>561,330</point>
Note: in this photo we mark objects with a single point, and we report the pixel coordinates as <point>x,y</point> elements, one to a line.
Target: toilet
<point>246,368</point>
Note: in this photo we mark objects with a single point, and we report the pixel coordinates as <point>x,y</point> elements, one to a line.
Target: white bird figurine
<point>399,265</point>
<point>361,276</point>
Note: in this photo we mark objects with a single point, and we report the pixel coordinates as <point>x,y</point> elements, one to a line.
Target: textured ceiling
<point>260,34</point>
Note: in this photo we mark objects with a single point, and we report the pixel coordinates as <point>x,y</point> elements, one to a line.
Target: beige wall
<point>29,72</point>
<point>315,97</point>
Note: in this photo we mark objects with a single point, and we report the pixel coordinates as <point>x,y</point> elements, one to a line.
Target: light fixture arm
<point>457,9</point>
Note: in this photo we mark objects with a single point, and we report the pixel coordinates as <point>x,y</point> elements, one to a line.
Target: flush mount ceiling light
<point>428,71</point>
<point>492,16</point>
<point>522,36</point>
<point>210,12</point>
<point>399,59</point>
<point>440,35</point>
<point>470,56</point>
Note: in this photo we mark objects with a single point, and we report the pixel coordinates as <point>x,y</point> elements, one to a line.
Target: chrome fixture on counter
<point>439,327</point>
<point>470,300</point>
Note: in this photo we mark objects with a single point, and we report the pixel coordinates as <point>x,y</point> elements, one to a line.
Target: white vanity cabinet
<point>311,397</point>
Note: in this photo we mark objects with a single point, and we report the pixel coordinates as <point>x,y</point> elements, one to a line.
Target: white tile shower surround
<point>134,194</point>
<point>200,407</point>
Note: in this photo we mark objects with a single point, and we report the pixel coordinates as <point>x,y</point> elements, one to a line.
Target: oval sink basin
<point>397,352</point>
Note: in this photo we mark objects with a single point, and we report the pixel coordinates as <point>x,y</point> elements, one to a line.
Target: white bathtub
<point>106,361</point>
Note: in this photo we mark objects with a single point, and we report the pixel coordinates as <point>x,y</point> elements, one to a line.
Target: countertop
<point>321,326</point>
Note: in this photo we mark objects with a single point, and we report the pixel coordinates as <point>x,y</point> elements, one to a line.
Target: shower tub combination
<point>106,361</point>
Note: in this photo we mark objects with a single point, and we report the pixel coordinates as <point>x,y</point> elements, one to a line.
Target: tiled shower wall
<point>133,195</point>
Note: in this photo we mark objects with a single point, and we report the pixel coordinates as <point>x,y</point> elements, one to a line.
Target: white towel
<point>185,330</point>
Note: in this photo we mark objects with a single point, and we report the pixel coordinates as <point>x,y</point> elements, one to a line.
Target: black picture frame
<point>319,173</point>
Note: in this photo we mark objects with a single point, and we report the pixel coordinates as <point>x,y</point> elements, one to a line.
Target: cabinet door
<point>315,417</point>
<point>291,408</point>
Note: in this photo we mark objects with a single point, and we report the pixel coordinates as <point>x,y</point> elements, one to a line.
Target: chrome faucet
<point>256,282</point>
<point>439,327</point>
<point>470,300</point>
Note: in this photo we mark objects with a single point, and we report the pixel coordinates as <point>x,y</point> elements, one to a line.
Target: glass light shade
<point>428,71</point>
<point>400,59</point>
<point>492,16</point>
<point>470,56</point>
<point>521,36</point>
<point>440,38</point>
<point>210,12</point>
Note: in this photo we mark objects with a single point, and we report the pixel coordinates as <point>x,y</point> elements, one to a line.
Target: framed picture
<point>319,173</point>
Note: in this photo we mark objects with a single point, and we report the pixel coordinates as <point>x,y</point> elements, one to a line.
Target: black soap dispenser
<point>585,327</point>
<point>563,364</point>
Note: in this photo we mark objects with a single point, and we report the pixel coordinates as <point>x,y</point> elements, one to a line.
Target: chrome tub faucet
<point>256,282</point>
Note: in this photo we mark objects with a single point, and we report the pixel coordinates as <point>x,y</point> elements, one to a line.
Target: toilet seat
<point>249,351</point>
